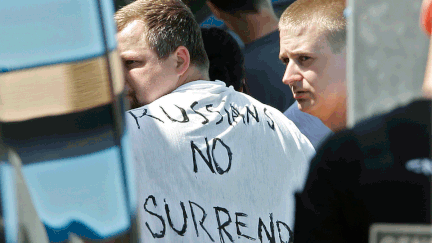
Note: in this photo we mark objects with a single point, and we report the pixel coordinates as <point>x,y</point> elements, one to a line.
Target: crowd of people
<point>239,145</point>
<point>202,149</point>
<point>213,163</point>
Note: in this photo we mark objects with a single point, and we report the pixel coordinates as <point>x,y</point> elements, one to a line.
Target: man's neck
<point>192,74</point>
<point>337,120</point>
<point>250,27</point>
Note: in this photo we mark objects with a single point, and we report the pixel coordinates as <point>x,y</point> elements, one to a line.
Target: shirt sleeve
<point>319,213</point>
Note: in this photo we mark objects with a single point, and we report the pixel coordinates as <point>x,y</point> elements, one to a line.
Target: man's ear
<point>182,59</point>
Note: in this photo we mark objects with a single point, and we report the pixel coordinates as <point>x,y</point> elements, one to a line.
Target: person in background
<point>256,23</point>
<point>226,58</point>
<point>377,172</point>
<point>212,163</point>
<point>313,49</point>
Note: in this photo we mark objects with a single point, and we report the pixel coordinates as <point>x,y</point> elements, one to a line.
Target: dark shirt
<point>264,72</point>
<point>377,172</point>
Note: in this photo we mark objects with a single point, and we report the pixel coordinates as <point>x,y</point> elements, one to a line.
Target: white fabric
<point>269,162</point>
<point>311,126</point>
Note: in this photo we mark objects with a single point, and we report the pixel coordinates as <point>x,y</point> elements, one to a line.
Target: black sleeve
<point>320,207</point>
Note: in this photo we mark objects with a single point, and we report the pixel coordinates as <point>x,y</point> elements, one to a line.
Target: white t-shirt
<point>312,127</point>
<point>215,165</point>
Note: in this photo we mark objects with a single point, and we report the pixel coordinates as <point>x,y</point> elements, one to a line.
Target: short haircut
<point>245,6</point>
<point>226,57</point>
<point>327,15</point>
<point>169,24</point>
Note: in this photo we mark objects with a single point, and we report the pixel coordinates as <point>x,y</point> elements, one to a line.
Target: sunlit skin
<point>425,23</point>
<point>315,74</point>
<point>147,77</point>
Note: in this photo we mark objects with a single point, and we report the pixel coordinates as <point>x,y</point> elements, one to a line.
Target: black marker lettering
<point>205,118</point>
<point>261,225</point>
<point>183,230</point>
<point>271,125</point>
<point>248,111</point>
<point>201,221</point>
<point>225,224</point>
<point>162,232</point>
<point>145,114</point>
<point>238,223</point>
<point>229,120</point>
<point>235,113</point>
<point>207,107</point>
<point>291,234</point>
<point>185,117</point>
<point>218,168</point>
<point>207,160</point>
<point>136,119</point>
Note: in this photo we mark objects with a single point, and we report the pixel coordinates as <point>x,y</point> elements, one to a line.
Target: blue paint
<point>84,195</point>
<point>9,202</point>
<point>52,31</point>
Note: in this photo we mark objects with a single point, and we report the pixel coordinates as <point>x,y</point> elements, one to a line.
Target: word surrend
<point>264,233</point>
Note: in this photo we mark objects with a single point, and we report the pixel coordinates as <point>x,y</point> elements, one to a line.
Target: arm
<point>317,217</point>
<point>321,207</point>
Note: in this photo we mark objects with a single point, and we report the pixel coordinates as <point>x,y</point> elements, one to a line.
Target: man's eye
<point>303,58</point>
<point>285,61</point>
<point>129,62</point>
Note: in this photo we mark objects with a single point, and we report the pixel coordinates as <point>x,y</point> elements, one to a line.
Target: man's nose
<point>292,74</point>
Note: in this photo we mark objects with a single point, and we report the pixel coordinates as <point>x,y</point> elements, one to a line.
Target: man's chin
<point>307,106</point>
<point>304,105</point>
<point>133,102</point>
<point>134,106</point>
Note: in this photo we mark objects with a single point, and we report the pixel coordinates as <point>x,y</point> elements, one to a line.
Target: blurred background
<point>205,17</point>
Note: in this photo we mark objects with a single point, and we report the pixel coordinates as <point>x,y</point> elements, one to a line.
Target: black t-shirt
<point>377,172</point>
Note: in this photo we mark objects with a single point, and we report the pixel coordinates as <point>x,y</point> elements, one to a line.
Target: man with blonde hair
<point>211,163</point>
<point>372,182</point>
<point>312,40</point>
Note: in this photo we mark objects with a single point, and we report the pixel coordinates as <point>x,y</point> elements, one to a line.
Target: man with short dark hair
<point>226,58</point>
<point>211,162</point>
<point>148,50</point>
<point>256,23</point>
